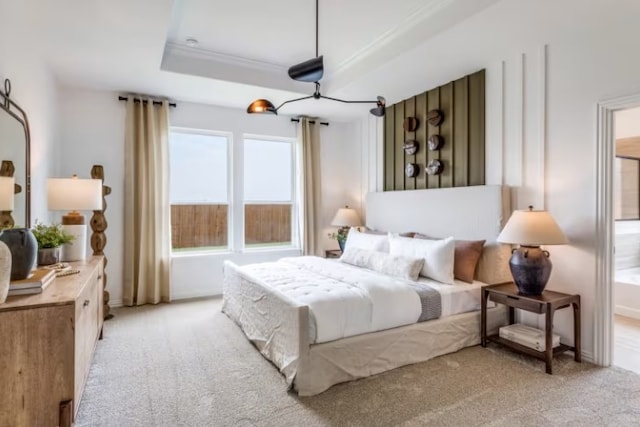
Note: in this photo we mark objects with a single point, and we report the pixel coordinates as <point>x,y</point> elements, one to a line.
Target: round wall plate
<point>435,142</point>
<point>410,124</point>
<point>435,117</point>
<point>411,146</point>
<point>435,167</point>
<point>411,170</point>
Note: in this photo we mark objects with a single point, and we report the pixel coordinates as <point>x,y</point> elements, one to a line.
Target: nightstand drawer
<point>517,302</point>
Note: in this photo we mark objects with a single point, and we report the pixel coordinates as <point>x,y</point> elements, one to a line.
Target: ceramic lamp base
<point>76,250</point>
<point>531,268</point>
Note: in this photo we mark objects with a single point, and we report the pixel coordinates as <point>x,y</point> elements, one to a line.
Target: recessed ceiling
<point>244,47</point>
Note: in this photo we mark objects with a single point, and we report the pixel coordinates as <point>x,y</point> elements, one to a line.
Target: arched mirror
<point>14,158</point>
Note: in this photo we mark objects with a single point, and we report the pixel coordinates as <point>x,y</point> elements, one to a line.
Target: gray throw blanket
<point>430,300</point>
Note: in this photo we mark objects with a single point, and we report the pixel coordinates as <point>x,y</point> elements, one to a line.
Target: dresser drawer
<point>517,302</point>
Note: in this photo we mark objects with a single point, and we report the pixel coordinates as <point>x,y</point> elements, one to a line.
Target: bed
<point>283,328</point>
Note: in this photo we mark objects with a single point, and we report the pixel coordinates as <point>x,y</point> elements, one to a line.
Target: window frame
<point>295,196</point>
<point>229,198</point>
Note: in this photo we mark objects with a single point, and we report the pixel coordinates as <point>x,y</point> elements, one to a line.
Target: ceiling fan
<point>311,71</point>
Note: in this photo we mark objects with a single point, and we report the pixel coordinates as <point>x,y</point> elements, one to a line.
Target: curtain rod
<point>313,122</point>
<point>124,98</point>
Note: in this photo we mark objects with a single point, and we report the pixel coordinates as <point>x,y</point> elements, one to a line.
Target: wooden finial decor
<point>98,237</point>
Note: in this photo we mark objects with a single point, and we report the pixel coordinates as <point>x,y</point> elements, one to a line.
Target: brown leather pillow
<point>466,257</point>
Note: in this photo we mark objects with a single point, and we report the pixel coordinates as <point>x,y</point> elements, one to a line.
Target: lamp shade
<point>6,193</point>
<point>346,217</point>
<point>532,228</point>
<point>73,194</point>
<point>261,106</point>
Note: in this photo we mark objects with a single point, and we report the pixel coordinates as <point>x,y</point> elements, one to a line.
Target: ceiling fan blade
<point>308,71</point>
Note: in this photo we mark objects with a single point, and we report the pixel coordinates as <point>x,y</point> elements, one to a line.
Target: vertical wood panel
<point>463,129</point>
<point>397,147</point>
<point>446,131</point>
<point>389,157</point>
<point>476,129</point>
<point>460,133</point>
<point>409,111</point>
<point>433,103</point>
<point>421,137</point>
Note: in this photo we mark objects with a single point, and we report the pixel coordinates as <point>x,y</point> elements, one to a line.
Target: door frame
<point>605,225</point>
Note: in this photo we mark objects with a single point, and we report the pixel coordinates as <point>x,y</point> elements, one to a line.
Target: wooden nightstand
<point>547,303</point>
<point>332,253</point>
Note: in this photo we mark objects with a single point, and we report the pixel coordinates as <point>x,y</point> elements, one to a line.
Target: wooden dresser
<point>47,341</point>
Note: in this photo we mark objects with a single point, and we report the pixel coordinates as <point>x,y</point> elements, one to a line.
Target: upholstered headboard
<point>466,213</point>
<point>477,212</point>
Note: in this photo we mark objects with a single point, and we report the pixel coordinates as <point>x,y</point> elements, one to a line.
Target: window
<point>269,203</point>
<point>199,190</point>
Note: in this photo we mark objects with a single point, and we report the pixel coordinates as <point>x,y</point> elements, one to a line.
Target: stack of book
<point>34,284</point>
<point>527,336</point>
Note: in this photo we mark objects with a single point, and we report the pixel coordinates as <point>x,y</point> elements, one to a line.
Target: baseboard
<point>190,295</point>
<point>634,313</point>
<point>115,303</point>
<point>587,356</point>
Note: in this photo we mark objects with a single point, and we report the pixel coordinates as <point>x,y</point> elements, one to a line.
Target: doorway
<point>608,338</point>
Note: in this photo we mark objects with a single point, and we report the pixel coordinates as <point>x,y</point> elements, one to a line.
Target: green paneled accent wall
<point>463,152</point>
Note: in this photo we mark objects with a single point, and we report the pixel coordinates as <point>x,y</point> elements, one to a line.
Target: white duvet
<point>343,300</point>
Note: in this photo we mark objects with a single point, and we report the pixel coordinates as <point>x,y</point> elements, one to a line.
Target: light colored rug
<point>187,364</point>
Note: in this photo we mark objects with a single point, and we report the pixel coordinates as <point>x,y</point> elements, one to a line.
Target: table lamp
<point>345,219</point>
<point>74,195</point>
<point>530,265</point>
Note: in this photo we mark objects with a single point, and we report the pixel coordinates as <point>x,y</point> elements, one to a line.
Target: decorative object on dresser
<point>74,195</point>
<point>345,218</point>
<point>50,239</point>
<point>6,205</point>
<point>410,124</point>
<point>530,265</point>
<point>411,170</point>
<point>99,238</point>
<point>48,340</point>
<point>435,142</point>
<point>24,250</point>
<point>34,284</point>
<point>311,71</point>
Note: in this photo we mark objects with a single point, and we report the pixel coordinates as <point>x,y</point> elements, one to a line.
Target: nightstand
<point>547,303</point>
<point>332,253</point>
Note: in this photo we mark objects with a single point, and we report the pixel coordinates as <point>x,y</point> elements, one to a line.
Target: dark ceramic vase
<point>24,250</point>
<point>531,268</point>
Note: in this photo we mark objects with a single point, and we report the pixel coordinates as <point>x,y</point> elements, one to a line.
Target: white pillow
<point>396,266</point>
<point>372,242</point>
<point>438,255</point>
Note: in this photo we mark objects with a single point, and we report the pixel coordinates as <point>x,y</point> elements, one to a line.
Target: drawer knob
<point>86,303</point>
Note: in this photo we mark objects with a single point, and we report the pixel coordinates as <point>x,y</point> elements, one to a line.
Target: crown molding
<point>418,16</point>
<point>172,48</point>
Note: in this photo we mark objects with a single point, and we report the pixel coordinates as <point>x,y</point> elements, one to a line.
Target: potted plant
<point>340,236</point>
<point>50,238</point>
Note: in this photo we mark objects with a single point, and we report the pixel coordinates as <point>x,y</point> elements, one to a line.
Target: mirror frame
<point>14,110</point>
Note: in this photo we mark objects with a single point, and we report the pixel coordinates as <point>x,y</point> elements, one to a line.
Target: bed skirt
<point>279,328</point>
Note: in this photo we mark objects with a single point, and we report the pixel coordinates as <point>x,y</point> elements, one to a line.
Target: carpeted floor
<point>187,364</point>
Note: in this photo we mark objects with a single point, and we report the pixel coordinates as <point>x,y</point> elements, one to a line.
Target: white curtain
<point>147,249</point>
<point>309,143</point>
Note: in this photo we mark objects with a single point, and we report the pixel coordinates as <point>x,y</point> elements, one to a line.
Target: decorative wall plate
<point>411,170</point>
<point>410,124</point>
<point>435,167</point>
<point>411,146</point>
<point>435,117</point>
<point>435,142</point>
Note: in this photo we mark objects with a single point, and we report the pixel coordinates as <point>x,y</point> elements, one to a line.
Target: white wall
<point>34,90</point>
<point>92,131</point>
<point>548,65</point>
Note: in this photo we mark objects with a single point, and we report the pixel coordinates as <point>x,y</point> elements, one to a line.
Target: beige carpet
<point>187,364</point>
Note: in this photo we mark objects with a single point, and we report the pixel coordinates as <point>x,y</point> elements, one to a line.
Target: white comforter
<point>343,300</point>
